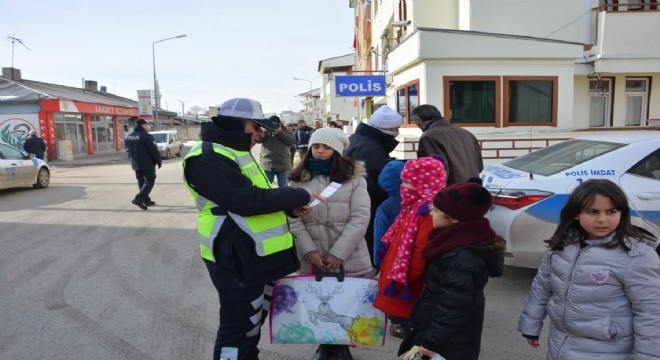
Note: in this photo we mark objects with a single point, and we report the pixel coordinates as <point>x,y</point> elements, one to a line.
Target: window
<point>9,153</point>
<point>472,99</point>
<point>636,97</point>
<point>600,102</point>
<point>562,156</point>
<point>407,98</point>
<point>648,167</point>
<point>530,100</point>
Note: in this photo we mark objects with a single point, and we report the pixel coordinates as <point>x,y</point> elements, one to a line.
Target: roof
<point>30,90</point>
<point>628,138</point>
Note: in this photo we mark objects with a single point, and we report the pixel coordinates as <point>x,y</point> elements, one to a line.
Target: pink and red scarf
<point>427,175</point>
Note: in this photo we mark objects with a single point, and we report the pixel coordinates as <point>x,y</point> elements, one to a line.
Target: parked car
<point>18,169</point>
<point>530,191</point>
<point>168,143</point>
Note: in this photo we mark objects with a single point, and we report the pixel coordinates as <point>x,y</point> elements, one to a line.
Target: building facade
<point>72,121</point>
<point>506,67</point>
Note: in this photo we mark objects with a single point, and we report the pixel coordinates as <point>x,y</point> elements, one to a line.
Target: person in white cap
<point>242,223</point>
<point>372,143</point>
<point>35,145</point>
<point>333,234</point>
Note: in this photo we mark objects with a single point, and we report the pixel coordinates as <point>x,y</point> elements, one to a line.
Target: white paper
<point>327,192</point>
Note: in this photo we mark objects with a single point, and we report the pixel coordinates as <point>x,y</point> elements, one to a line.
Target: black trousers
<point>146,181</point>
<point>242,313</point>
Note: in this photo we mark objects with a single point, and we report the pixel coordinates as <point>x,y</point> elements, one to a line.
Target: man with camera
<point>275,156</point>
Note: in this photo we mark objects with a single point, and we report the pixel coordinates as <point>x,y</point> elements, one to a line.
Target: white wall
<point>539,18</point>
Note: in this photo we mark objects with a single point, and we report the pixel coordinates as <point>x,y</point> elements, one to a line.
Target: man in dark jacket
<point>242,222</point>
<point>144,156</point>
<point>302,135</point>
<point>373,143</point>
<point>275,154</point>
<point>458,146</point>
<point>35,145</point>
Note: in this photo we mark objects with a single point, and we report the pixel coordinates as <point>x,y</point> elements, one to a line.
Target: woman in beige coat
<point>334,233</point>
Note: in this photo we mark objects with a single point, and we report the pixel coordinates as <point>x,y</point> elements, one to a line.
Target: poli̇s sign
<point>367,85</point>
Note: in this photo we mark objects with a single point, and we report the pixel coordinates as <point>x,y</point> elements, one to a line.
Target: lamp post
<point>311,98</point>
<point>157,102</point>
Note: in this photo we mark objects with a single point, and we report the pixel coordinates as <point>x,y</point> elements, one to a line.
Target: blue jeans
<point>281,177</point>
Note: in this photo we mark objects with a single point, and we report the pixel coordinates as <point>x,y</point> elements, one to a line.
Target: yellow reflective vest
<point>270,232</point>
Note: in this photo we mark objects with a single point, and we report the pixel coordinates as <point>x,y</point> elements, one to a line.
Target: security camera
<point>401,23</point>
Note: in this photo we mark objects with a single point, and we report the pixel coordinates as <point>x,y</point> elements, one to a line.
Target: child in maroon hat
<point>462,253</point>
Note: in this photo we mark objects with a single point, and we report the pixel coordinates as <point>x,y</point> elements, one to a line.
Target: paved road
<point>84,274</point>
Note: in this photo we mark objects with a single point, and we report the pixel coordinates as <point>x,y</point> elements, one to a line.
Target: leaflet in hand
<point>327,192</point>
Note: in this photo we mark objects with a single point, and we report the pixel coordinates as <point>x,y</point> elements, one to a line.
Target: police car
<point>18,169</point>
<point>530,191</point>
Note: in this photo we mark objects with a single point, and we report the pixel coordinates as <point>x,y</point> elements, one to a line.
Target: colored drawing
<point>284,299</point>
<point>295,333</point>
<point>367,293</point>
<point>369,330</point>
<point>326,312</point>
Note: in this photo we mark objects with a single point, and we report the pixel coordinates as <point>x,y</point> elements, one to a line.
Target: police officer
<point>245,239</point>
<point>143,152</point>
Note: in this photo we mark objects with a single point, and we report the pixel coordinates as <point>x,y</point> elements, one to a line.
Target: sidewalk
<point>117,157</point>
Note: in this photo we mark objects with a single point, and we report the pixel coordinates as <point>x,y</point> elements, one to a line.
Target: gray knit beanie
<point>333,137</point>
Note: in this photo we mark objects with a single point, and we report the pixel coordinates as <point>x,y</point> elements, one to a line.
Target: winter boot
<point>139,202</point>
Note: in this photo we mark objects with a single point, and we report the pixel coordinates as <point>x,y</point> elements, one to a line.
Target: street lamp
<point>153,54</point>
<point>311,98</point>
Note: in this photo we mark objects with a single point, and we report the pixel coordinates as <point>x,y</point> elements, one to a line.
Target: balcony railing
<point>636,6</point>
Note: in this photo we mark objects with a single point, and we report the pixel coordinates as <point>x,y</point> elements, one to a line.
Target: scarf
<point>427,176</point>
<point>460,234</point>
<point>318,166</point>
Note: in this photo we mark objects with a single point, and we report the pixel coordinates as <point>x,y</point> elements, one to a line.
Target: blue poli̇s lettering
<point>577,173</point>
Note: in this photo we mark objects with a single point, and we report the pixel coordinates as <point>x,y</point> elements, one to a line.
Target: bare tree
<point>196,110</point>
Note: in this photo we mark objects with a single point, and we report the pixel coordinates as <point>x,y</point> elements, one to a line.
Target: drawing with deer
<point>326,314</point>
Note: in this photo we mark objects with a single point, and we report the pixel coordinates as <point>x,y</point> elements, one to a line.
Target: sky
<point>236,48</point>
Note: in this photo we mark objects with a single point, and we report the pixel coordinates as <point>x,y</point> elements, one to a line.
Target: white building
<point>511,66</point>
<point>334,108</point>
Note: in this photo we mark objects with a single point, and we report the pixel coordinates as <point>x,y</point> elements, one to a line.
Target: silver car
<point>18,169</point>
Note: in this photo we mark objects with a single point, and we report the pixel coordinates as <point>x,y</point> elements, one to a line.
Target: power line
<point>576,19</point>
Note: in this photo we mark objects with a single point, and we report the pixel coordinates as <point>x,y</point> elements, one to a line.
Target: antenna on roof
<point>15,40</point>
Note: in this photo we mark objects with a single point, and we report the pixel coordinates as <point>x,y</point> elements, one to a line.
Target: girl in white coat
<point>599,282</point>
<point>334,232</point>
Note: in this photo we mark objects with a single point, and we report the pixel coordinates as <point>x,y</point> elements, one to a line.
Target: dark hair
<point>569,230</point>
<point>341,168</point>
<point>333,124</point>
<point>275,119</point>
<point>426,112</point>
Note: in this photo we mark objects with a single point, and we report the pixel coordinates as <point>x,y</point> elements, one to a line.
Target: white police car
<point>18,169</point>
<point>530,191</point>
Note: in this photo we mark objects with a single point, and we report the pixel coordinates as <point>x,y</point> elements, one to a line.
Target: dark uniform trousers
<point>242,313</point>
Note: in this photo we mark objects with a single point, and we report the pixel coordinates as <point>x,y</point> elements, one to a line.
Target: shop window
<point>636,99</point>
<point>72,128</point>
<point>472,99</point>
<point>407,98</point>
<point>530,100</point>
